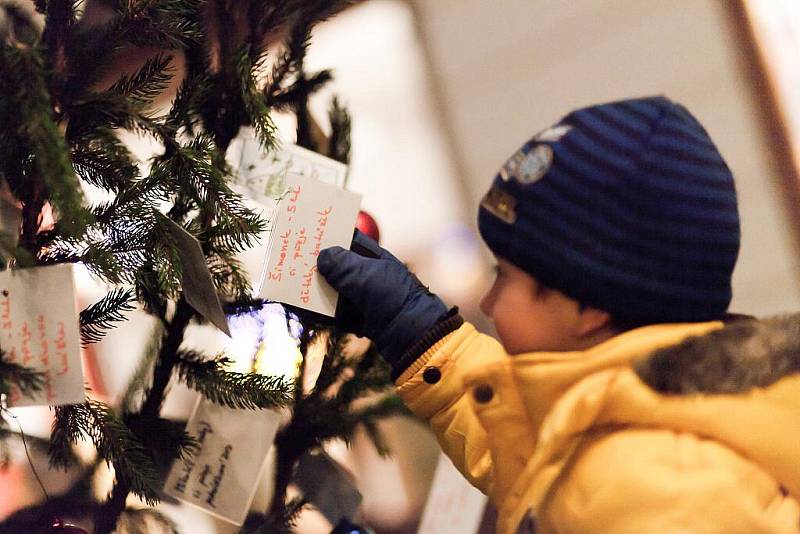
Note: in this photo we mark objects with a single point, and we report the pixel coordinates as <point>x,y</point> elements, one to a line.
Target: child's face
<point>528,317</point>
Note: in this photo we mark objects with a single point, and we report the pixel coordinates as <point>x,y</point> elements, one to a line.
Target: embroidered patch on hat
<point>554,133</point>
<point>500,204</point>
<point>528,167</point>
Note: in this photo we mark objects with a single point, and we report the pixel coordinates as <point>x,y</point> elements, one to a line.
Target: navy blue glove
<point>395,309</point>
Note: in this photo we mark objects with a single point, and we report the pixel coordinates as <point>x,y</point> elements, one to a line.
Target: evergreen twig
<point>235,390</point>
<point>98,318</point>
<point>114,441</point>
<point>13,374</point>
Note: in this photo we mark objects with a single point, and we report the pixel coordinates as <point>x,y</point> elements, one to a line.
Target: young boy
<point>620,398</point>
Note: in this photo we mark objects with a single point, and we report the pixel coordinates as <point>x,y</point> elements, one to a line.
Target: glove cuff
<point>449,322</point>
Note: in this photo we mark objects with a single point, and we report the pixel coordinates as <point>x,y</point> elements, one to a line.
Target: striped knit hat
<point>627,207</point>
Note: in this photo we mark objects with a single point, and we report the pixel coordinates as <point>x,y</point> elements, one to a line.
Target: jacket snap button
<point>431,375</point>
<point>483,393</point>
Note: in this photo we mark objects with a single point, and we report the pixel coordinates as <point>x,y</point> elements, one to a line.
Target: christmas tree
<point>60,119</point>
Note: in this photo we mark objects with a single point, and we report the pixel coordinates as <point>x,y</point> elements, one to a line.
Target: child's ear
<point>592,321</point>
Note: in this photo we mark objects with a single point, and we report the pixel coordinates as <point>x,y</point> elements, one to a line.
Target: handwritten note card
<point>311,216</point>
<point>39,329</point>
<point>222,476</point>
<point>454,506</point>
<point>263,178</point>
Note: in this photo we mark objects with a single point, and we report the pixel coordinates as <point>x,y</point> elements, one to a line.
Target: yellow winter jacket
<point>580,442</point>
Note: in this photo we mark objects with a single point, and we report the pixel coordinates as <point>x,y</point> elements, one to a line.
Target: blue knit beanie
<point>627,207</point>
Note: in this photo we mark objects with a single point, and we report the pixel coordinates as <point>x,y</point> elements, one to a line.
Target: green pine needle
<point>99,318</point>
<point>149,82</point>
<point>13,374</point>
<point>103,161</point>
<point>114,441</point>
<point>247,391</point>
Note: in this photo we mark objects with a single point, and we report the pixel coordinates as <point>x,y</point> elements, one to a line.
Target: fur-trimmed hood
<point>581,440</point>
<point>745,354</point>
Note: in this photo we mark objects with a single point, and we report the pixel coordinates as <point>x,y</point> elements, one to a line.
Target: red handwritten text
<point>276,272</point>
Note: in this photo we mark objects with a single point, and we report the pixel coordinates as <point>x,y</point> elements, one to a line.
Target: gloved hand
<point>395,309</point>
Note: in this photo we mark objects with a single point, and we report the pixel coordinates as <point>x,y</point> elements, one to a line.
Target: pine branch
<point>60,16</point>
<point>256,108</point>
<point>100,317</point>
<point>149,294</point>
<point>372,374</point>
<point>287,98</point>
<point>229,276</point>
<point>141,380</point>
<point>301,16</point>
<point>109,109</point>
<point>187,106</point>
<point>95,255</point>
<point>320,417</point>
<point>234,390</point>
<point>149,82</point>
<point>37,165</point>
<point>103,161</point>
<point>165,440</point>
<point>114,441</point>
<point>108,515</point>
<point>340,145</point>
<point>166,25</point>
<point>235,231</point>
<point>13,374</point>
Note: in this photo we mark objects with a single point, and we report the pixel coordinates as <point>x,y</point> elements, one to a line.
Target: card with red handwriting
<point>262,178</point>
<point>39,329</point>
<point>311,216</point>
<point>453,506</point>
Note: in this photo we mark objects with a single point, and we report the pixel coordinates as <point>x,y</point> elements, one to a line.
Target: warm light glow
<point>265,340</point>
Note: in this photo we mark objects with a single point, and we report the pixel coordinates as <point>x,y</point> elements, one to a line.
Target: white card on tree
<point>263,174</point>
<point>261,177</point>
<point>310,217</point>
<point>39,329</point>
<point>454,506</point>
<point>198,287</point>
<point>221,476</point>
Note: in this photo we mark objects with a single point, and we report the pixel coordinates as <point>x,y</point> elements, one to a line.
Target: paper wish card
<point>221,477</point>
<point>263,175</point>
<point>310,217</point>
<point>39,329</point>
